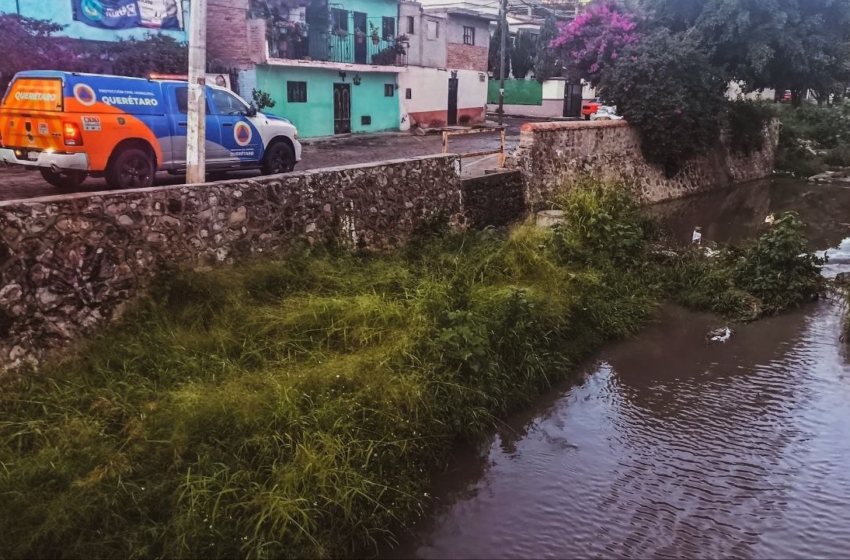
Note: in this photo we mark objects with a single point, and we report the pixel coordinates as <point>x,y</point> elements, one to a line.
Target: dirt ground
<point>16,183</point>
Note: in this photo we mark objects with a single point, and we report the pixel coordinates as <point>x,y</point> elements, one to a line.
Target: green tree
<point>547,61</point>
<point>31,44</point>
<point>494,60</point>
<point>780,44</point>
<point>668,88</point>
<point>522,57</point>
<point>154,53</point>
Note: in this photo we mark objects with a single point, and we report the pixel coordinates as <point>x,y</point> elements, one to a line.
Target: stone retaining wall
<point>68,263</point>
<point>497,199</point>
<point>555,154</point>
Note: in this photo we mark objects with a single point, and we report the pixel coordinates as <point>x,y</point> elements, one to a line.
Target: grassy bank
<point>294,407</point>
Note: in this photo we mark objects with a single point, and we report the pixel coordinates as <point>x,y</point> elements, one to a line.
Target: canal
<point>667,445</point>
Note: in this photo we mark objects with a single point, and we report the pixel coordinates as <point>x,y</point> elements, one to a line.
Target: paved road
<point>18,184</point>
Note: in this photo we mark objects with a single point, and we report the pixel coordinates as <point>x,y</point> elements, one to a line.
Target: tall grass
<point>294,408</point>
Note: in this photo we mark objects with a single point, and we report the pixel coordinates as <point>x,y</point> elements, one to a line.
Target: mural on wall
<point>128,14</point>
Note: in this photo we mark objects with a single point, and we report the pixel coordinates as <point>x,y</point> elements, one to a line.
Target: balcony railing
<point>343,48</point>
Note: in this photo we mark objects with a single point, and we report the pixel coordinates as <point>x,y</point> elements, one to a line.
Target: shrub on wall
<point>746,122</point>
<point>671,93</point>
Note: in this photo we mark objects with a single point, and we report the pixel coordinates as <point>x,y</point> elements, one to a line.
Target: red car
<point>589,107</point>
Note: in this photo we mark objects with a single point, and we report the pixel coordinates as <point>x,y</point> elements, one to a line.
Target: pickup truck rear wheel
<point>64,179</point>
<point>279,158</point>
<point>131,168</point>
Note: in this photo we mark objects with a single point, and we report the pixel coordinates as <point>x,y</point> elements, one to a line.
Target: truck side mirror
<point>252,110</point>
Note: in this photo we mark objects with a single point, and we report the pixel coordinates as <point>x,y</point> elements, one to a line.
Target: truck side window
<point>227,104</point>
<point>181,95</point>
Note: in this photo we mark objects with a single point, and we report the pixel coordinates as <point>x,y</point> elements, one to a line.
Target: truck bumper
<point>50,160</point>
<point>297,145</point>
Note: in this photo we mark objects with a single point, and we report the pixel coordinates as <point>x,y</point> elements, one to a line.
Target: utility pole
<point>503,23</point>
<point>196,133</point>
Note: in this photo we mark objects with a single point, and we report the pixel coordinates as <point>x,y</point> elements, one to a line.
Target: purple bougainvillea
<point>594,39</point>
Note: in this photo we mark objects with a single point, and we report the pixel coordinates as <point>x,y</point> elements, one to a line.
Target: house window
<point>388,27</point>
<point>408,93</point>
<point>468,35</point>
<point>411,25</point>
<point>433,30</point>
<point>389,90</point>
<point>339,19</point>
<point>296,92</point>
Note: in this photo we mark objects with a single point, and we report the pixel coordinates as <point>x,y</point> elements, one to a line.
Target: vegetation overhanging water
<point>295,407</point>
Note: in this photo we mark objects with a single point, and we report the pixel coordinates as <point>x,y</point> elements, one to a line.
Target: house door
<point>360,42</point>
<point>572,100</point>
<point>452,113</point>
<point>342,108</point>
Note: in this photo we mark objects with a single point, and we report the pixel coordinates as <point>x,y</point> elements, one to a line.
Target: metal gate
<point>342,108</point>
<point>572,100</point>
<point>452,112</point>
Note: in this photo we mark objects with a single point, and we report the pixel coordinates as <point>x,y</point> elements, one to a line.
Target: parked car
<point>605,113</point>
<point>589,108</point>
<point>69,126</point>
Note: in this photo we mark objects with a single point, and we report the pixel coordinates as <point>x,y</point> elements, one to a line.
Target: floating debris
<point>719,335</point>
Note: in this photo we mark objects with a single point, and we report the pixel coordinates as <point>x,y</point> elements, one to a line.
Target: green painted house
<point>331,68</point>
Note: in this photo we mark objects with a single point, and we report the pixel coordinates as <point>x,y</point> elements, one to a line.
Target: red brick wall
<point>227,32</point>
<point>466,57</point>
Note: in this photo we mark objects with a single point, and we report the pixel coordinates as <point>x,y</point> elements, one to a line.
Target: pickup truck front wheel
<point>131,168</point>
<point>279,158</point>
<point>64,180</point>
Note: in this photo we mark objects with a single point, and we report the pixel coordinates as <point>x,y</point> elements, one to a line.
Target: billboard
<point>129,14</point>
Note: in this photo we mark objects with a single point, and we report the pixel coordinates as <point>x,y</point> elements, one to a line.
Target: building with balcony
<point>330,68</point>
<point>446,80</point>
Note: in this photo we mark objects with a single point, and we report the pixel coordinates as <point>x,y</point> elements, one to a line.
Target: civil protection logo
<point>85,95</point>
<point>242,134</point>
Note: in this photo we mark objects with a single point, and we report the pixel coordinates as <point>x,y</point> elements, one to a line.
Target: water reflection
<point>672,447</point>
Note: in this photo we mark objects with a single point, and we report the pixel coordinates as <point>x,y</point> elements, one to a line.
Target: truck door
<point>239,135</point>
<point>178,96</point>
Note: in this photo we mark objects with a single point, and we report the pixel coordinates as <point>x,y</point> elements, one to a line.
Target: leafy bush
<point>672,94</point>
<point>778,268</point>
<point>602,224</point>
<point>825,126</point>
<point>747,121</point>
<point>262,99</point>
<point>775,272</point>
<point>838,156</point>
<point>31,44</point>
<point>155,53</point>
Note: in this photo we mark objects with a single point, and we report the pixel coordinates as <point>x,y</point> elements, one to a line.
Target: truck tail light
<point>72,135</point>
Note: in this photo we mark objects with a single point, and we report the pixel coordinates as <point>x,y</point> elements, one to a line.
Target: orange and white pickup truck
<point>69,126</point>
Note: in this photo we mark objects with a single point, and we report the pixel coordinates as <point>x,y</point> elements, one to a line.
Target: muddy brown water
<point>669,446</point>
